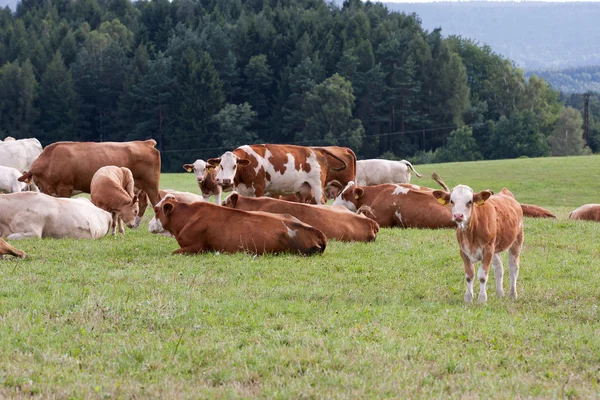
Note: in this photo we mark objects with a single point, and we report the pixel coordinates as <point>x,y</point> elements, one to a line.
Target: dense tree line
<point>204,76</point>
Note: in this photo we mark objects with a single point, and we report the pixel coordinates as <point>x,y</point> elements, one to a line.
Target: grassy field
<point>122,318</point>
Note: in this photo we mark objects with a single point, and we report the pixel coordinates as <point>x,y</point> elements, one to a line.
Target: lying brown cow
<point>487,225</point>
<point>6,248</point>
<point>588,212</point>
<point>112,190</point>
<point>401,205</point>
<point>334,222</point>
<point>203,226</point>
<point>533,211</point>
<point>65,168</point>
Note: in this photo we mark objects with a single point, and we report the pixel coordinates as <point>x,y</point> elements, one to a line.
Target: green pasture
<point>123,318</point>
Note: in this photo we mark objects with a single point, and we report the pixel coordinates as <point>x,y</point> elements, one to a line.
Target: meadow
<point>122,317</point>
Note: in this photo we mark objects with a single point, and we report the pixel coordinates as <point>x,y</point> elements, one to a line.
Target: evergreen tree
<point>567,136</point>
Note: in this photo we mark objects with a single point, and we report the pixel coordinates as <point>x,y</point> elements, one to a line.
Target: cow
<point>37,215</point>
<point>533,211</point>
<point>273,169</point>
<point>335,222</point>
<point>486,226</point>
<point>335,173</point>
<point>7,249</point>
<point>397,205</point>
<point>377,171</point>
<point>9,180</point>
<point>67,168</point>
<point>112,190</point>
<point>205,177</point>
<point>19,154</point>
<point>587,212</point>
<point>199,227</point>
<point>154,225</point>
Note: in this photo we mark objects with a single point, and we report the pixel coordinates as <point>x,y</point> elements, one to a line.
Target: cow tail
<point>435,176</point>
<point>337,158</point>
<point>409,165</point>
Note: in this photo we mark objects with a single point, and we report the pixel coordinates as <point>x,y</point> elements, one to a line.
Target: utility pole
<point>586,118</point>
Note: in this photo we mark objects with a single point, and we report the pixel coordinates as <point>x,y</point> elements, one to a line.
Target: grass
<point>122,318</point>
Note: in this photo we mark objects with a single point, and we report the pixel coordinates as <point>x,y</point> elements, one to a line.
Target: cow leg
<point>23,235</point>
<point>318,192</point>
<point>482,274</point>
<point>469,276</point>
<point>113,226</point>
<point>499,273</point>
<point>514,258</point>
<point>218,197</point>
<point>121,228</point>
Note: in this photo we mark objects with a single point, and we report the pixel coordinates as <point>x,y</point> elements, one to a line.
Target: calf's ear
<point>168,208</point>
<point>188,167</point>
<point>441,196</point>
<point>242,162</point>
<point>232,199</point>
<point>481,197</point>
<point>214,161</point>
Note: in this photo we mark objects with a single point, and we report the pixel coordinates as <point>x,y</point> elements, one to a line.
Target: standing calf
<point>112,190</point>
<point>206,178</point>
<point>487,225</point>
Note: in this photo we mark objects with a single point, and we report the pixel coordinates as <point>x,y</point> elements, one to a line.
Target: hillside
<point>571,80</point>
<point>525,32</point>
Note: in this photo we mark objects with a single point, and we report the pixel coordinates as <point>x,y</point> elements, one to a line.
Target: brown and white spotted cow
<point>273,169</point>
<point>397,205</point>
<point>486,226</point>
<point>587,212</point>
<point>7,249</point>
<point>206,178</point>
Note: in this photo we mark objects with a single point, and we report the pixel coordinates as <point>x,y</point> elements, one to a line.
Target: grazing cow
<point>112,191</point>
<point>335,222</point>
<point>205,176</point>
<point>376,172</point>
<point>9,180</point>
<point>65,168</point>
<point>154,225</point>
<point>272,169</point>
<point>203,226</point>
<point>487,225</point>
<point>19,154</point>
<point>402,205</point>
<point>587,212</point>
<point>7,249</point>
<point>36,215</point>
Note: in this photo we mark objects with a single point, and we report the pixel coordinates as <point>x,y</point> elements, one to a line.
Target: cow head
<point>143,204</point>
<point>228,165</point>
<point>200,168</point>
<point>162,211</point>
<point>349,197</point>
<point>231,201</point>
<point>462,199</point>
<point>130,211</point>
<point>333,189</point>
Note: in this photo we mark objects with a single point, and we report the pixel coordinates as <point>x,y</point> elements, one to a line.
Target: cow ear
<point>209,167</point>
<point>232,199</point>
<point>441,196</point>
<point>358,192</point>
<point>214,161</point>
<point>26,177</point>
<point>333,189</point>
<point>481,197</point>
<point>242,162</point>
<point>188,167</point>
<point>168,208</point>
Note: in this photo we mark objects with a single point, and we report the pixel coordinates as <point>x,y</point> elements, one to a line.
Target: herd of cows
<point>277,202</point>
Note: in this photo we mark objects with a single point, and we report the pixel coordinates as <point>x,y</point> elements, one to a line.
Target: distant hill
<point>535,35</point>
<point>572,80</point>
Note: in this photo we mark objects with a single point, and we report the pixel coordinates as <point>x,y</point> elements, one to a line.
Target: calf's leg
<point>499,273</point>
<point>514,258</point>
<point>483,272</point>
<point>469,276</point>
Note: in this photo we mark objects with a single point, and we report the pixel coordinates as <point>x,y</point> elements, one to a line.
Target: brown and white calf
<point>206,178</point>
<point>334,222</point>
<point>588,212</point>
<point>397,205</point>
<point>202,226</point>
<point>7,249</point>
<point>486,226</point>
<point>112,190</point>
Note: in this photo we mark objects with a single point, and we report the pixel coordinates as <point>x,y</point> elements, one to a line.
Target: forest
<point>205,76</point>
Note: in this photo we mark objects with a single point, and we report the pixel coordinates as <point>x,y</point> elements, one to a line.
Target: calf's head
<point>200,168</point>
<point>462,199</point>
<point>228,165</point>
<point>231,200</point>
<point>349,197</point>
<point>130,211</point>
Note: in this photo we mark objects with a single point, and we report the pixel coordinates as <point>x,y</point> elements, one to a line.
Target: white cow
<point>9,180</point>
<point>205,177</point>
<point>36,215</point>
<point>376,172</point>
<point>19,154</point>
<point>154,226</point>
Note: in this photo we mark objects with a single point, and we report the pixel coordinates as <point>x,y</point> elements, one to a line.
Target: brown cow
<point>273,169</point>
<point>203,226</point>
<point>487,225</point>
<point>6,248</point>
<point>65,168</point>
<point>533,211</point>
<point>588,212</point>
<point>205,177</point>
<point>112,191</point>
<point>335,222</point>
<point>397,205</point>
<point>334,173</point>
